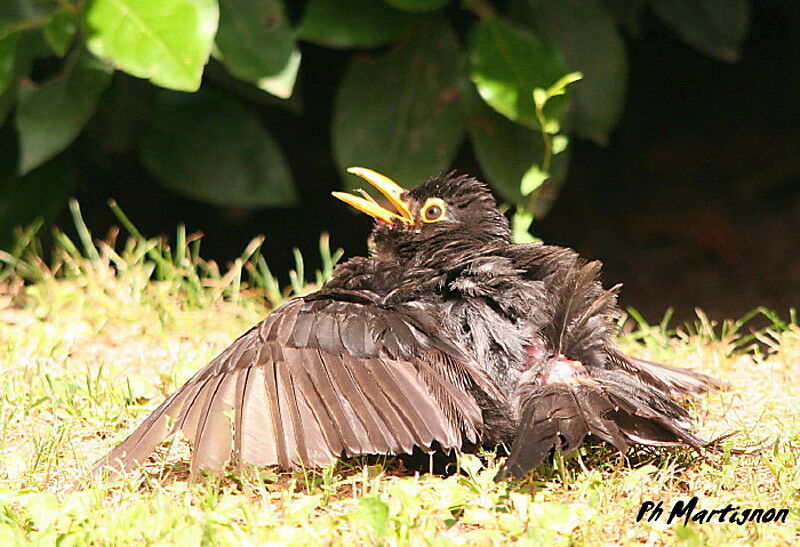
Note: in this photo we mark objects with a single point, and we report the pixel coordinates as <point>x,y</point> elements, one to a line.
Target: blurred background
<point>675,159</point>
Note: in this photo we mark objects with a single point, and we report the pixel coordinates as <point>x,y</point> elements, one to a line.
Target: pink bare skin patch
<point>563,371</point>
<point>536,353</point>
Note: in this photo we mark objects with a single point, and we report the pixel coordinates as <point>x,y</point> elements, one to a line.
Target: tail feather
<point>679,382</point>
<point>583,385</point>
<point>559,417</point>
<point>580,310</point>
<point>578,326</point>
<point>614,407</point>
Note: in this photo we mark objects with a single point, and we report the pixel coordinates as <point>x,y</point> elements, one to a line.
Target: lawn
<point>94,339</point>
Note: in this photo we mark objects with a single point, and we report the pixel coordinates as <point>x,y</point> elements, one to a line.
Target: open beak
<point>385,186</point>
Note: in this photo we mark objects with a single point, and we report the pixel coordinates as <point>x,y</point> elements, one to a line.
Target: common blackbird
<point>447,336</point>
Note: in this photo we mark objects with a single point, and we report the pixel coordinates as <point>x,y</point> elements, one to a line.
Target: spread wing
<point>316,380</point>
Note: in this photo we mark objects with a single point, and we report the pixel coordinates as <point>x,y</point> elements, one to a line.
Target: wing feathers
<point>318,450</point>
<point>399,436</point>
<point>329,399</point>
<point>320,429</point>
<point>289,411</point>
<point>406,410</point>
<point>140,444</point>
<point>214,434</point>
<point>255,433</point>
<point>354,336</point>
<point>431,420</point>
<point>316,380</point>
<point>356,393</point>
<point>371,434</point>
<point>282,439</point>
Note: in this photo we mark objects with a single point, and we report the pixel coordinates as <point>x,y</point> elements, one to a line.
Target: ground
<point>90,344</point>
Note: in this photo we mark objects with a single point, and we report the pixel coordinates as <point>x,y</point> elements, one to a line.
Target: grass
<point>94,339</point>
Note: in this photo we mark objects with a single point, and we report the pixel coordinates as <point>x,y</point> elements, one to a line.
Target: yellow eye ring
<point>434,210</point>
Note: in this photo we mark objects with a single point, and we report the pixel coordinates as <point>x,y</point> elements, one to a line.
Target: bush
<point>516,77</point>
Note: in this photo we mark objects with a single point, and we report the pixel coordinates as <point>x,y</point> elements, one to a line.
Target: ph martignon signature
<point>690,513</point>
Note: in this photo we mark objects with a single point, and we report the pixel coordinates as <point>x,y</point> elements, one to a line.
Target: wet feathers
<point>448,336</point>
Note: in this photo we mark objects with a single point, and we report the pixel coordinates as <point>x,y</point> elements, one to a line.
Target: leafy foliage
<point>584,32</point>
<point>399,114</point>
<point>256,44</point>
<point>354,24</point>
<point>442,70</point>
<point>195,141</point>
<point>507,64</point>
<point>50,116</point>
<point>715,27</point>
<point>166,41</point>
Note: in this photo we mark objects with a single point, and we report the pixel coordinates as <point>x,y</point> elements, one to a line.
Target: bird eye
<point>433,210</point>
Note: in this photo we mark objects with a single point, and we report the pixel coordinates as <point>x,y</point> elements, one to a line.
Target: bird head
<point>440,210</point>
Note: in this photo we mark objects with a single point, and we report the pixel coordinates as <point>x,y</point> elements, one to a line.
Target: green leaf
<point>41,193</point>
<point>256,44</point>
<point>50,116</point>
<point>60,31</point>
<point>521,222</point>
<point>28,47</point>
<point>210,148</point>
<point>560,143</point>
<point>373,512</point>
<point>8,49</point>
<point>584,33</point>
<point>504,150</point>
<point>560,87</point>
<point>714,27</point>
<point>353,24</point>
<point>399,114</point>
<point>470,464</point>
<point>165,41</point>
<point>507,64</point>
<point>418,5</point>
<point>16,15</point>
<point>532,180</point>
<point>507,151</point>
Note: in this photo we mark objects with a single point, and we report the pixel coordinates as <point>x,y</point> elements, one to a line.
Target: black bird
<point>448,335</point>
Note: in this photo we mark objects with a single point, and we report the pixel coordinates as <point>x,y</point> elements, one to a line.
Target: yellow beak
<point>385,186</point>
